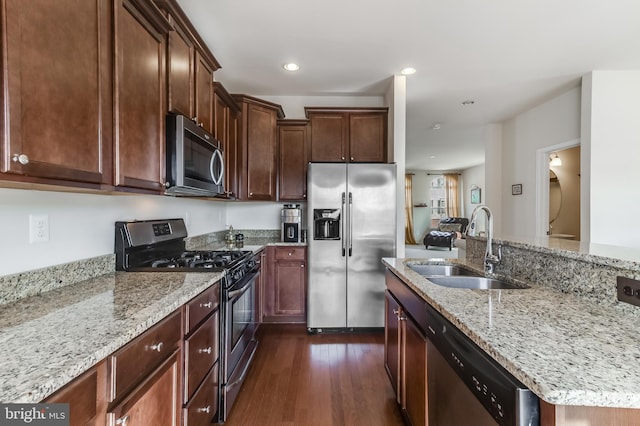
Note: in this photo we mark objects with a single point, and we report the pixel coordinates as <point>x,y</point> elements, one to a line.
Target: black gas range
<point>159,246</point>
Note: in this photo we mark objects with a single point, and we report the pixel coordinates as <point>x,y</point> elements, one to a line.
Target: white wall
<point>82,225</point>
<point>615,154</point>
<point>396,100</point>
<point>258,215</point>
<point>550,123</point>
<point>293,106</point>
<point>474,176</point>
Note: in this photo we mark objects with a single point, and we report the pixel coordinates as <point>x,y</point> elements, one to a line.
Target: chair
<point>446,233</point>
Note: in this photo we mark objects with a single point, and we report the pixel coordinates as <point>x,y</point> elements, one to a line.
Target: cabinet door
<point>414,372</point>
<point>261,154</point>
<point>204,93</point>
<point>329,134</point>
<point>292,162</point>
<point>155,401</point>
<point>392,340</point>
<point>367,137</point>
<point>139,104</point>
<point>181,71</point>
<point>57,90</point>
<point>286,288</point>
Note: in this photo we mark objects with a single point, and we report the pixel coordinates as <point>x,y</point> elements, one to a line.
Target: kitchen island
<point>568,350</point>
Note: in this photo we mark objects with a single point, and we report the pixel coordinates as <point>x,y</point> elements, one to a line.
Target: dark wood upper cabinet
<point>226,115</point>
<point>293,157</point>
<point>257,148</point>
<point>180,69</point>
<point>140,108</point>
<point>190,68</point>
<point>348,134</point>
<point>57,92</point>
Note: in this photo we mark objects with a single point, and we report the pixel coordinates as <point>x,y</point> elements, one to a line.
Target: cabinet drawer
<point>82,396</point>
<point>290,253</point>
<point>201,306</point>
<point>204,404</point>
<point>139,357</point>
<point>200,352</point>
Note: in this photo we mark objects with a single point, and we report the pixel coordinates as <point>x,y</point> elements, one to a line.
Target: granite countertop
<point>567,350</point>
<point>49,339</point>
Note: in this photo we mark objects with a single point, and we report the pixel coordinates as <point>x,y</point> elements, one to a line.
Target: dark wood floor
<point>328,379</point>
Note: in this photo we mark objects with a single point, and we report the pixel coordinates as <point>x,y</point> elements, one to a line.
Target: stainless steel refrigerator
<point>351,227</point>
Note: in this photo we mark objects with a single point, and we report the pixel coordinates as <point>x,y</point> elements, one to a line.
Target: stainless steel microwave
<point>195,164</point>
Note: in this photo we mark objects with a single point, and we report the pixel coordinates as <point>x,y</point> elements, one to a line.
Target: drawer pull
<point>123,421</point>
<point>396,312</point>
<point>206,305</point>
<point>206,409</point>
<point>290,254</point>
<point>205,351</point>
<point>157,347</point>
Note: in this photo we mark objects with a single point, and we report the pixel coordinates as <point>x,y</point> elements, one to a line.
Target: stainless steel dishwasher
<point>467,387</point>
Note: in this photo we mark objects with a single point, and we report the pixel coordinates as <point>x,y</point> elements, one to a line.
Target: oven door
<point>239,341</point>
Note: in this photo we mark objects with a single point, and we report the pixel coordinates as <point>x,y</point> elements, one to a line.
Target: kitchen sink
<point>441,270</point>
<point>471,282</point>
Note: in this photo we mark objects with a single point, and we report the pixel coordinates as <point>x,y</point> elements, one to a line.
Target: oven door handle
<point>234,293</point>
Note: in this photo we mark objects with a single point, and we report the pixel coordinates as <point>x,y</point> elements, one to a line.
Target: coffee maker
<point>291,221</point>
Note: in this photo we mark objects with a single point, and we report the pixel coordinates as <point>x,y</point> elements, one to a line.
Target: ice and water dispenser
<point>326,224</point>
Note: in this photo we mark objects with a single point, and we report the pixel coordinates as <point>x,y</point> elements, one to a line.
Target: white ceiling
<point>505,55</point>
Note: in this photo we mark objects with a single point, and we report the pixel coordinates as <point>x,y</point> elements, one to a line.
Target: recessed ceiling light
<point>408,71</point>
<point>468,102</point>
<point>432,156</point>
<point>291,66</point>
<point>436,126</point>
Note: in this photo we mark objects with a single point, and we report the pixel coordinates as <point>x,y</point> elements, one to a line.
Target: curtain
<point>451,181</point>
<point>408,209</point>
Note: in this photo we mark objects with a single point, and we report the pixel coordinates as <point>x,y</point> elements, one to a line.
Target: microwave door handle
<point>343,219</point>
<point>216,179</point>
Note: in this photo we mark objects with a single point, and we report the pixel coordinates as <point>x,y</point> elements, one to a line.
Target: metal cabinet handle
<point>205,351</point>
<point>206,305</point>
<point>352,159</point>
<point>342,158</point>
<point>401,318</point>
<point>290,254</point>
<point>20,158</point>
<point>302,266</point>
<point>396,312</point>
<point>157,347</point>
<point>206,409</point>
<point>250,194</point>
<point>123,421</point>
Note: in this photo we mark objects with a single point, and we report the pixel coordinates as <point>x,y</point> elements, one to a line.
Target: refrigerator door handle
<point>350,224</point>
<point>344,222</point>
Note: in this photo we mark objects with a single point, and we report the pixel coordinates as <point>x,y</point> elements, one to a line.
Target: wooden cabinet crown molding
<point>226,97</point>
<point>173,9</point>
<point>152,16</point>
<point>239,98</point>
<point>293,122</point>
<point>333,110</point>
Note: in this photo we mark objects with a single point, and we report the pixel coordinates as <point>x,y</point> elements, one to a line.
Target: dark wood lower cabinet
<point>155,401</point>
<point>406,361</point>
<point>285,288</point>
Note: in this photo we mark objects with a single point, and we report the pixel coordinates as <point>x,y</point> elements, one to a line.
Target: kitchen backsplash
<point>24,284</point>
<point>587,276</point>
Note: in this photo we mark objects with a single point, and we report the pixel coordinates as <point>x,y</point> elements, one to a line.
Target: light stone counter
<point>49,339</point>
<point>566,349</point>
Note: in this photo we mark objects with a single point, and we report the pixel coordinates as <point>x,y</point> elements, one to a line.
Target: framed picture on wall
<point>475,196</point>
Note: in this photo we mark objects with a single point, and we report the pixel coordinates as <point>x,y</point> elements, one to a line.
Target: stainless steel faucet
<point>490,259</point>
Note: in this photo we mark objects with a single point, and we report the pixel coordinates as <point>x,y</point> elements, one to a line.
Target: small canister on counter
<point>239,240</point>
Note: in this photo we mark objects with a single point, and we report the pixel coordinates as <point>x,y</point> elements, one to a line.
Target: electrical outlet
<point>628,290</point>
<point>38,228</point>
